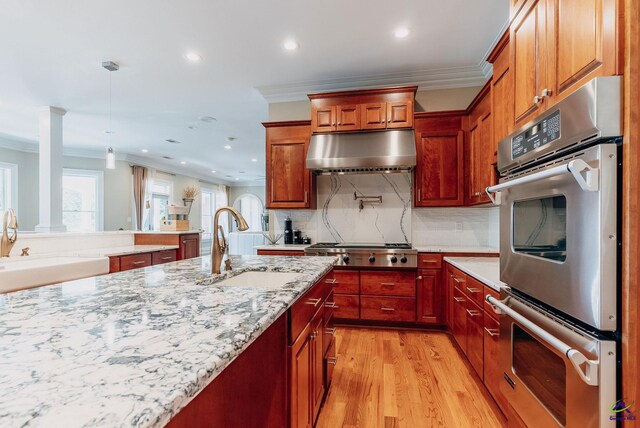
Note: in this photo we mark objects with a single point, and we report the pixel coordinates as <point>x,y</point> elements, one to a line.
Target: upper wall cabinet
<point>289,184</point>
<point>439,173</point>
<point>558,45</point>
<point>368,109</point>
<point>480,148</point>
<point>502,107</point>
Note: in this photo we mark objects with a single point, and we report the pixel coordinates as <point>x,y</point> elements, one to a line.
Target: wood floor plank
<point>398,379</point>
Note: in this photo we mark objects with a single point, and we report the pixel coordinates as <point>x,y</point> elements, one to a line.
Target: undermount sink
<point>255,279</point>
<point>25,272</point>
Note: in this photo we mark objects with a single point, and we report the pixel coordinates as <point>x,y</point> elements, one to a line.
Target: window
<point>8,186</point>
<point>251,208</point>
<point>159,202</point>
<point>82,200</point>
<point>211,201</point>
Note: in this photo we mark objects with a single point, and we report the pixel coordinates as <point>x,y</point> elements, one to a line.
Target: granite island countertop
<point>132,348</point>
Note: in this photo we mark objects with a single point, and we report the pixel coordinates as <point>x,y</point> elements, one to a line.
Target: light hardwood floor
<point>393,378</point>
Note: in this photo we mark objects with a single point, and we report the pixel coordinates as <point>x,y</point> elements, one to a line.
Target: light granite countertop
<point>484,269</point>
<point>282,247</point>
<point>454,249</point>
<point>133,348</point>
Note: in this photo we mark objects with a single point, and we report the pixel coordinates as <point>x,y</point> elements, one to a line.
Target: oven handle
<point>586,176</point>
<point>587,369</point>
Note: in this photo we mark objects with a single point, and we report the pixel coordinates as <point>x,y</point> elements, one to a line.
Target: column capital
<point>52,109</point>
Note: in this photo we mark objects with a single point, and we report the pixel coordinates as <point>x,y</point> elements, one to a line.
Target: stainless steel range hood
<point>362,152</point>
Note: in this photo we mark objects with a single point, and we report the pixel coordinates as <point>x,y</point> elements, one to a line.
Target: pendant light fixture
<point>110,66</point>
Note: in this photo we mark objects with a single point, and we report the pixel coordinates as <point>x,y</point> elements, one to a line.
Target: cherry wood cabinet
<point>439,172</point>
<point>460,318</point>
<point>429,300</point>
<point>384,308</point>
<point>301,379</point>
<point>480,167</point>
<point>388,283</point>
<point>475,337</point>
<point>502,107</point>
<point>373,116</point>
<point>323,119</point>
<point>367,109</point>
<point>348,117</point>
<point>347,306</point>
<point>188,242</point>
<point>165,256</point>
<point>189,246</point>
<point>289,184</point>
<point>557,46</point>
<point>492,370</point>
<point>140,260</point>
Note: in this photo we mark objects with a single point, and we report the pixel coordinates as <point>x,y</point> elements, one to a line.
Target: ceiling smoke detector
<point>110,65</point>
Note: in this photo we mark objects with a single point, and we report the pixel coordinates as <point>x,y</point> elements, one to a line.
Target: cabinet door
<point>449,302</point>
<point>317,362</point>
<point>301,379</point>
<point>400,114</point>
<point>189,246</point>
<point>528,60</point>
<point>348,117</point>
<point>460,318</point>
<point>429,300</point>
<point>373,116</point>
<point>475,337</point>
<point>502,105</point>
<point>323,119</point>
<point>492,372</point>
<point>475,154</point>
<point>581,43</point>
<point>289,181</point>
<point>440,171</point>
<point>481,154</point>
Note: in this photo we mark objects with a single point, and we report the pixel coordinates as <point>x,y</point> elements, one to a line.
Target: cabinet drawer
<point>164,256</point>
<point>475,337</point>
<point>135,261</point>
<point>347,281</point>
<point>388,283</point>
<point>459,279</point>
<point>347,306</point>
<point>305,308</point>
<point>487,307</point>
<point>330,361</point>
<point>388,308</point>
<point>474,290</point>
<point>429,261</point>
<point>329,329</point>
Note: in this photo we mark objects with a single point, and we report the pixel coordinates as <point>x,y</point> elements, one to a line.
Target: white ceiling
<point>52,50</point>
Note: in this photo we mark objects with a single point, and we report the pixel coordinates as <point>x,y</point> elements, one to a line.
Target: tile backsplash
<point>338,217</point>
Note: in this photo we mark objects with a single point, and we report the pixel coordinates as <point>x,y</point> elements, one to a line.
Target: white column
<point>50,178</point>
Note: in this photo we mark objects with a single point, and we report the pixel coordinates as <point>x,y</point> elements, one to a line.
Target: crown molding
<point>456,77</point>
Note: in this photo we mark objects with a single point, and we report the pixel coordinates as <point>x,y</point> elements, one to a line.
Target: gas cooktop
<point>400,255</point>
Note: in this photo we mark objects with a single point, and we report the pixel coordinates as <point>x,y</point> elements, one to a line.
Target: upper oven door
<point>558,240</point>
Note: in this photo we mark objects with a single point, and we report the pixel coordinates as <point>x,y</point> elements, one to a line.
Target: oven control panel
<point>538,135</point>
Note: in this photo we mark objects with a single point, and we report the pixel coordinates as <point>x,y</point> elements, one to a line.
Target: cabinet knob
<point>339,123</point>
<point>545,92</point>
<point>537,99</point>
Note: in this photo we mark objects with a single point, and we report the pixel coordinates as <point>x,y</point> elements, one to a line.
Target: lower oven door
<point>558,234</point>
<point>554,375</point>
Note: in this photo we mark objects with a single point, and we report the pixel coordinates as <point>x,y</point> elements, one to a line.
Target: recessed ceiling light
<point>193,56</point>
<point>183,163</point>
<point>237,178</point>
<point>254,160</point>
<point>213,171</point>
<point>227,146</point>
<point>290,45</point>
<point>145,151</point>
<point>401,32</point>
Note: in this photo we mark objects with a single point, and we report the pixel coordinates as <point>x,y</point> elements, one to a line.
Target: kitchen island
<point>134,348</point>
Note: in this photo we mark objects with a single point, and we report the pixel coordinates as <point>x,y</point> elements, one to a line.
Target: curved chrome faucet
<point>7,242</point>
<point>220,245</point>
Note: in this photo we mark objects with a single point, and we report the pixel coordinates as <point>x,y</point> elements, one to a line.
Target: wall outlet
<point>459,226</point>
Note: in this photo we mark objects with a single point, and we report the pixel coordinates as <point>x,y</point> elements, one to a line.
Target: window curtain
<point>139,192</point>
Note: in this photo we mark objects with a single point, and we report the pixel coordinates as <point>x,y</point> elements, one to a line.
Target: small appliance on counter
<point>288,231</point>
<point>306,240</point>
<point>297,237</point>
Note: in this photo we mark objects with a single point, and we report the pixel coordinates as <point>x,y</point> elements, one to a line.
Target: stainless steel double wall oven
<point>559,244</point>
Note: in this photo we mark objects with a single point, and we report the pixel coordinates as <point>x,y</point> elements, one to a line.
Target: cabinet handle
<point>458,280</point>
<point>419,195</point>
<point>139,262</point>
<point>339,123</point>
<point>167,258</point>
<point>314,302</point>
<point>459,299</point>
<point>473,290</point>
<point>537,99</point>
<point>420,277</point>
<point>330,331</point>
<point>473,313</point>
<point>430,261</point>
<point>387,309</point>
<point>545,93</point>
<point>331,305</point>
<point>332,281</point>
<point>332,360</point>
<point>492,332</point>
<point>387,284</point>
<point>305,196</point>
